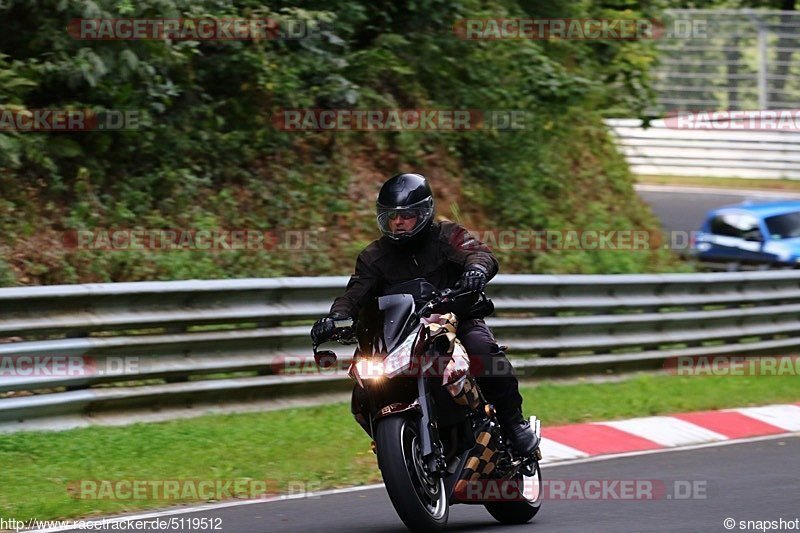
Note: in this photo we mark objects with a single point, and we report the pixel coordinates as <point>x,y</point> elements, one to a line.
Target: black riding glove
<point>472,280</point>
<point>323,328</point>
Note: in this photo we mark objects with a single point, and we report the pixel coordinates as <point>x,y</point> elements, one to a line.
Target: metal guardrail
<point>662,151</point>
<point>203,342</point>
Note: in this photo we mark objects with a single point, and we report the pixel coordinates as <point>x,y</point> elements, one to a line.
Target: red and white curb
<point>575,441</point>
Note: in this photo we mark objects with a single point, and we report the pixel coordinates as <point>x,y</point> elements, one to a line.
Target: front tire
<point>418,498</point>
<point>520,512</point>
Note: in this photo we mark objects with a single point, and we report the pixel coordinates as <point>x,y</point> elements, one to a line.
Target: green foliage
<point>206,153</point>
<point>7,277</point>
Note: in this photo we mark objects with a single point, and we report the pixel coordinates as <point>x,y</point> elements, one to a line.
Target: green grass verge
<point>724,183</point>
<point>319,445</point>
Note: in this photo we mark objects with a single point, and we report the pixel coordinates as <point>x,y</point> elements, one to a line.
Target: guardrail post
<point>763,95</point>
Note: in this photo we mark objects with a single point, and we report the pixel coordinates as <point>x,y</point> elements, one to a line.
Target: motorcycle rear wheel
<point>419,499</point>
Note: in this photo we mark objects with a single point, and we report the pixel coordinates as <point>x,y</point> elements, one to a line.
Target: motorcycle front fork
<point>431,447</point>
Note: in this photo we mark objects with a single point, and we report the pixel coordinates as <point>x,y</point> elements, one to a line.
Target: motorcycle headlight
<point>399,359</point>
<point>370,368</point>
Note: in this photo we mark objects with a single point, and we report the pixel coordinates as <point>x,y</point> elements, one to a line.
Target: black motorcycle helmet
<point>406,196</point>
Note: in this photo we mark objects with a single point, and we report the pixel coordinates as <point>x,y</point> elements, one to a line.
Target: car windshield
<point>784,226</point>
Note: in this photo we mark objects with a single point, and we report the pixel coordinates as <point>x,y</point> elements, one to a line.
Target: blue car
<point>763,234</point>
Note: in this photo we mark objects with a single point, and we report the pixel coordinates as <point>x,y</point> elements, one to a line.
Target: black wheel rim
<point>430,490</point>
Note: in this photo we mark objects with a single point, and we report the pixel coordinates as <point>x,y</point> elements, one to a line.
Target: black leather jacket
<point>439,254</point>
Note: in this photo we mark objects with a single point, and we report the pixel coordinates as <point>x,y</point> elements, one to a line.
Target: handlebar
<point>444,297</point>
<point>345,331</point>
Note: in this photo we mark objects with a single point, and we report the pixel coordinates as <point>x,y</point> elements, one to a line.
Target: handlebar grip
<point>343,323</point>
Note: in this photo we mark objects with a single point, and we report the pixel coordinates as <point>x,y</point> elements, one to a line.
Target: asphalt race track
<point>745,481</point>
<point>684,210</point>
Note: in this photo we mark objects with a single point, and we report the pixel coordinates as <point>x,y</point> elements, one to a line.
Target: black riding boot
<point>501,389</point>
<point>495,376</point>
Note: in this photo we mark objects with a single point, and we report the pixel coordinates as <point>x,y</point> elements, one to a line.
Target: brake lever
<point>344,332</point>
<point>442,297</point>
<point>451,294</point>
<point>324,358</point>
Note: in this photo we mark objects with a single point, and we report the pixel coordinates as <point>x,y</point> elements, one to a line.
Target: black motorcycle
<point>437,440</point>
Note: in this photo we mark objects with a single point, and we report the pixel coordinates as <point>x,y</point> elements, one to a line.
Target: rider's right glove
<point>472,279</point>
<point>324,327</point>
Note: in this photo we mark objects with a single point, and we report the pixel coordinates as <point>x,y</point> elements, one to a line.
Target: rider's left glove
<point>472,280</point>
<point>323,328</point>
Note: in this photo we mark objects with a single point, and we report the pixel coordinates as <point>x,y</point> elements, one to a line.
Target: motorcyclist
<point>446,255</point>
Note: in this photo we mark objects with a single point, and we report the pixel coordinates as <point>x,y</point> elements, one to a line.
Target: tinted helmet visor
<point>402,222</point>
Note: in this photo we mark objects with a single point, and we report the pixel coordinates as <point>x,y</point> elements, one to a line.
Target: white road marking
<point>666,430</point>
<point>555,451</point>
<point>223,505</point>
<point>668,450</point>
<point>783,416</point>
<point>210,507</point>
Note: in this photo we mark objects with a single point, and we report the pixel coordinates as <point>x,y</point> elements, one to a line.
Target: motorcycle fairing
<point>398,310</point>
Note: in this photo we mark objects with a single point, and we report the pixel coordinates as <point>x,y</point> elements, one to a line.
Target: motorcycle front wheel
<point>419,498</point>
<point>524,509</point>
